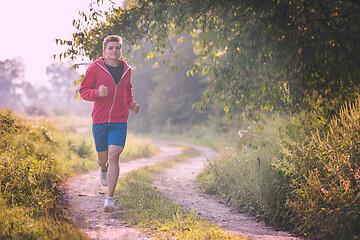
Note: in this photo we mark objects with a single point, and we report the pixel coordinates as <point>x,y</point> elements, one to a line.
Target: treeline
<point>54,97</point>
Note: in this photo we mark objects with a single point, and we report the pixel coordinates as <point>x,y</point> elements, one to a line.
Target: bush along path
<point>178,184</point>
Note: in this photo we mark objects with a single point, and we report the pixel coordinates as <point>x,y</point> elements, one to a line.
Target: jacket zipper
<point>112,105</point>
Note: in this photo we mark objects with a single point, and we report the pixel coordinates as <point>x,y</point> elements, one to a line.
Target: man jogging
<point>107,83</point>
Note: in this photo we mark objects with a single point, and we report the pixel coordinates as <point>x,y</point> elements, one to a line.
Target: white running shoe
<point>109,205</point>
<point>103,177</point>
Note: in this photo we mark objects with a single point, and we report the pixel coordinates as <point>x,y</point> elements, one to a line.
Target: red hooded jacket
<point>115,106</point>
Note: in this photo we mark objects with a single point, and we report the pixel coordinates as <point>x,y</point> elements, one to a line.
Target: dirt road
<point>179,184</point>
<point>86,198</point>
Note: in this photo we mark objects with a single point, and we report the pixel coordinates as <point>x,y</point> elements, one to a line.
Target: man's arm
<point>88,90</point>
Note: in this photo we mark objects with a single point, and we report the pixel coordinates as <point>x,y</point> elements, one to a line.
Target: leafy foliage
<point>256,54</point>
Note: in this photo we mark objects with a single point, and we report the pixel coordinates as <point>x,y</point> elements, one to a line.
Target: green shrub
<point>325,173</point>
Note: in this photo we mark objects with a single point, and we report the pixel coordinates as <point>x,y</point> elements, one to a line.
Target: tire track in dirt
<point>179,184</point>
<point>86,196</point>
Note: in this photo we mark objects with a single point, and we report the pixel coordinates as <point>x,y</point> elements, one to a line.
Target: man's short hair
<point>112,38</point>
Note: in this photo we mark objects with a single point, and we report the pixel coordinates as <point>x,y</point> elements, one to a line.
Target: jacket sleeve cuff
<point>97,94</point>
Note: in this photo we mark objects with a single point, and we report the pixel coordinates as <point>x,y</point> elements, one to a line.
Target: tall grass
<point>296,172</point>
<point>325,178</point>
<point>135,147</point>
<point>138,148</point>
<point>30,177</point>
<point>244,174</point>
<point>35,159</point>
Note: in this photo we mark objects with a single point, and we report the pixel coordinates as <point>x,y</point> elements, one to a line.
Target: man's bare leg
<point>114,168</point>
<point>102,162</point>
<point>103,159</point>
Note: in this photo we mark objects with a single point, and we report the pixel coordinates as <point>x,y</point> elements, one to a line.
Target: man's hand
<point>103,91</point>
<point>134,107</point>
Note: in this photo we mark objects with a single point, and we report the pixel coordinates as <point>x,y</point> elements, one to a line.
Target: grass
<point>33,164</point>
<point>212,141</point>
<point>296,171</point>
<point>77,131</point>
<point>35,159</point>
<point>70,123</point>
<point>145,207</point>
<point>138,147</point>
<point>245,172</point>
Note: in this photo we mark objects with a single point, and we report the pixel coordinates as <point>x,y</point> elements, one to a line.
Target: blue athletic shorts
<point>106,134</point>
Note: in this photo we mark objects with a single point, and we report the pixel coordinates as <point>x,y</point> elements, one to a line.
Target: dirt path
<point>86,198</point>
<point>179,184</point>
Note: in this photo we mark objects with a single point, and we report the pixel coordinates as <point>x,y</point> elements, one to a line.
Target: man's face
<point>113,51</point>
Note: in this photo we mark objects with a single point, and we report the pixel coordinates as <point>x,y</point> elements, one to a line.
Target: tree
<point>171,101</point>
<point>11,76</point>
<point>61,77</point>
<point>256,54</point>
<point>166,95</point>
<point>60,94</point>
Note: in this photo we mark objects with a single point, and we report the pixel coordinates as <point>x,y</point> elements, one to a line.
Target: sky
<point>28,29</point>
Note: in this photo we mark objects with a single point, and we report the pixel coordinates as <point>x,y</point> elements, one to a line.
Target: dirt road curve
<point>179,184</point>
<point>86,198</point>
